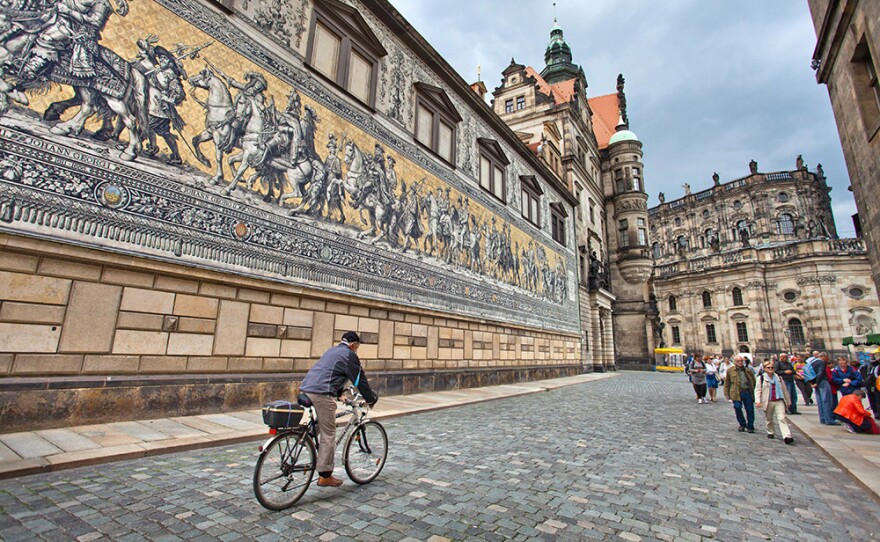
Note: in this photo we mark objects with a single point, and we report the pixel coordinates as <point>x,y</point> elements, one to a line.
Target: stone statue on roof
<point>799,163</point>
<point>662,197</point>
<point>716,179</point>
<point>687,189</point>
<point>753,167</point>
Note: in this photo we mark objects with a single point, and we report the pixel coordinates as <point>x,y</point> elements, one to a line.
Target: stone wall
<point>93,336</point>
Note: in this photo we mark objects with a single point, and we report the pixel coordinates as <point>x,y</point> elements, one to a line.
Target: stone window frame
<point>864,73</point>
<point>742,331</point>
<point>520,102</point>
<point>711,333</point>
<point>642,232</point>
<point>676,334</point>
<point>849,291</point>
<point>794,297</point>
<point>355,36</point>
<point>508,105</point>
<point>785,224</point>
<point>795,327</point>
<point>531,193</point>
<point>623,232</point>
<point>736,294</point>
<point>492,152</point>
<point>436,102</point>
<point>673,303</point>
<point>557,222</point>
<point>707,299</point>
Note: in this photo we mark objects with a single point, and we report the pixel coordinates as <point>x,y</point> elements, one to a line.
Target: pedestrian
<point>698,379</point>
<point>771,394</point>
<point>758,367</point>
<point>323,385</point>
<point>712,378</point>
<point>785,370</point>
<point>821,384</point>
<point>846,378</point>
<point>799,380</point>
<point>852,412</point>
<point>725,366</point>
<point>739,386</point>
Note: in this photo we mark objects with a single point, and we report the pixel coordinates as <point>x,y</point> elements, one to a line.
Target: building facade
<point>587,144</point>
<point>755,265</point>
<point>847,60</point>
<point>197,198</point>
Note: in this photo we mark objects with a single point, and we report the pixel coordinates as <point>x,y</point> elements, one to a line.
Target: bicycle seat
<point>304,400</point>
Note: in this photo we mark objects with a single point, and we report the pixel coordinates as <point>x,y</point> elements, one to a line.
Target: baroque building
<point>755,265</point>
<point>198,197</point>
<point>846,61</point>
<point>587,144</point>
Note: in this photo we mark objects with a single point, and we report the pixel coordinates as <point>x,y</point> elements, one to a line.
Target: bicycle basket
<point>278,414</point>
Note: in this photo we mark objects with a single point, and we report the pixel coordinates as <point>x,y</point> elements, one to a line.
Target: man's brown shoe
<point>329,481</point>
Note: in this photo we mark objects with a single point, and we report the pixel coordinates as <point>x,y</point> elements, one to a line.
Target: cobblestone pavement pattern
<point>631,458</point>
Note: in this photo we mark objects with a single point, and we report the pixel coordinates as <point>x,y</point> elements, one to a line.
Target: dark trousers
<point>700,389</point>
<point>747,402</point>
<point>792,392</point>
<point>864,428</point>
<point>806,391</point>
<point>874,401</point>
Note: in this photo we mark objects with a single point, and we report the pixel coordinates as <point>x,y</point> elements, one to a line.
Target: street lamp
<point>788,336</point>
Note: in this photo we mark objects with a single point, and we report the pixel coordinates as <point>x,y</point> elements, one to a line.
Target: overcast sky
<point>710,85</point>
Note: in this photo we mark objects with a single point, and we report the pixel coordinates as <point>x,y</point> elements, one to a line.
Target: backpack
<point>809,371</point>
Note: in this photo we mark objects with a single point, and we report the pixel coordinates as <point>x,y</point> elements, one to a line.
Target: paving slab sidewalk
<point>32,452</point>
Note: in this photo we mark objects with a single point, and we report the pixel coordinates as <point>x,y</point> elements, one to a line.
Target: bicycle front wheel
<point>284,470</point>
<point>365,452</point>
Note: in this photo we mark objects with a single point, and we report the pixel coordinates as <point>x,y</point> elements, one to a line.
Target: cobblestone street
<point>632,458</point>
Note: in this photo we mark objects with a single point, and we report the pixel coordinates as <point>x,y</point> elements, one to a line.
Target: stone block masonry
<point>103,337</point>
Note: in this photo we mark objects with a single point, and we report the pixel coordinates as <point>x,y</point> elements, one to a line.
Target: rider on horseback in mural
<point>165,94</point>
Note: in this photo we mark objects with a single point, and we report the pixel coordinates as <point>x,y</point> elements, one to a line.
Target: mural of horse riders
<point>264,150</point>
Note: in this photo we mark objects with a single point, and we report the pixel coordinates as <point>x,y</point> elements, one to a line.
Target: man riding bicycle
<point>323,385</point>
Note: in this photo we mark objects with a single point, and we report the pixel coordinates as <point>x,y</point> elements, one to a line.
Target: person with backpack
<point>784,369</point>
<point>771,395</point>
<point>698,379</point>
<point>800,380</point>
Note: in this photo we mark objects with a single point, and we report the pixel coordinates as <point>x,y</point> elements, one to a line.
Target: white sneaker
<point>848,428</point>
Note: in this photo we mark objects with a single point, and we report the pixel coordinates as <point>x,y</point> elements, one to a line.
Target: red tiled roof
<point>606,113</point>
<point>560,92</point>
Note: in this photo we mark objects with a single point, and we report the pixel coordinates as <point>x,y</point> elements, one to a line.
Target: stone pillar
<point>608,362</point>
<point>598,353</point>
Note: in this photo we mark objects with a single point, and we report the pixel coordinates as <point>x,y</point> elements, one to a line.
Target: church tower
<point>557,59</point>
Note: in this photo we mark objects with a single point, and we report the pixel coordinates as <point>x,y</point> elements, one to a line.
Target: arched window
<point>707,299</point>
<point>682,242</point>
<point>737,296</point>
<point>673,305</point>
<point>709,235</point>
<point>658,252</point>
<point>796,332</point>
<point>785,224</point>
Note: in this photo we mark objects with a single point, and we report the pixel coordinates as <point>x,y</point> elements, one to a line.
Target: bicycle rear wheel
<point>284,470</point>
<point>365,452</point>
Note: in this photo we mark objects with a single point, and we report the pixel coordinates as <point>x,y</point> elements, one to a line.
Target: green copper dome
<point>623,135</point>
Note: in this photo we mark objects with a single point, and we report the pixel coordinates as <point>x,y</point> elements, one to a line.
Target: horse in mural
<point>218,110</point>
<point>45,44</point>
<point>251,147</point>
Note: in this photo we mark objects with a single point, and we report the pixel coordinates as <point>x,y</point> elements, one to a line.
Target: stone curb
<point>69,460</point>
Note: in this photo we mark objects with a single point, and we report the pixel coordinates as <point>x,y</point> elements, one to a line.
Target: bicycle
<point>286,464</point>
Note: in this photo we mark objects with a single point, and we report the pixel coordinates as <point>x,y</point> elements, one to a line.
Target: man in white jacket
<point>771,394</point>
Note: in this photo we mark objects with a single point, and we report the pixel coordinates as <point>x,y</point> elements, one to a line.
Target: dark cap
<point>350,337</point>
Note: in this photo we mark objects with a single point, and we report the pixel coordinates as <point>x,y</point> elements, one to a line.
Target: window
<point>790,296</point>
<point>742,332</point>
<point>623,229</point>
<point>637,179</point>
<point>737,204</point>
<point>682,242</point>
<point>707,299</point>
<point>673,303</point>
<point>619,180</point>
<point>656,251</point>
<point>796,332</point>
<point>783,197</point>
<point>436,121</point>
<point>737,296</point>
<point>710,334</point>
<point>785,225</point>
<point>580,209</point>
<point>344,50</point>
<point>508,106</point>
<point>493,165</point>
<point>557,222</point>
<point>643,232</point>
<point>531,199</point>
<point>592,211</point>
<point>677,221</point>
<point>708,236</point>
<point>520,102</point>
<point>676,335</point>
<point>705,214</point>
<point>867,87</point>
